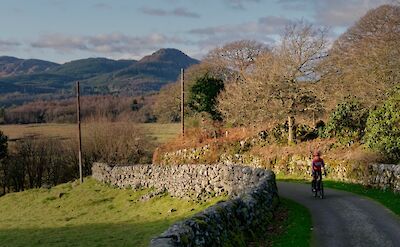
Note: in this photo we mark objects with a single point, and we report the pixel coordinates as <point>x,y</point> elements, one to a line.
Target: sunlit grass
<point>297,227</point>
<point>91,214</point>
<point>161,132</point>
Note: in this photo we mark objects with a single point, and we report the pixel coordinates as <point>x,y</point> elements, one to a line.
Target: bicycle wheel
<point>315,191</point>
<point>312,186</point>
<point>321,192</point>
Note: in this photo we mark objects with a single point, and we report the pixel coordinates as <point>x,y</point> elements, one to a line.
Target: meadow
<point>88,214</point>
<point>159,132</point>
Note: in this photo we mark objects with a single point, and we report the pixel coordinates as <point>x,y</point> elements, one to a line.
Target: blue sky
<point>64,30</point>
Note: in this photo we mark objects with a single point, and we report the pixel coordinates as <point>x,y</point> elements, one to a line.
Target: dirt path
<point>345,219</point>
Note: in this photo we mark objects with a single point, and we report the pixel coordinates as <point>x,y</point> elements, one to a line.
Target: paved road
<point>345,219</point>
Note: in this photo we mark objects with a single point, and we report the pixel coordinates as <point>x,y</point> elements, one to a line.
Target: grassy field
<point>161,132</point>
<point>91,214</point>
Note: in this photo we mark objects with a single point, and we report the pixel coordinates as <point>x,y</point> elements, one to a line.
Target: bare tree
<point>238,56</point>
<point>365,61</point>
<point>303,47</point>
<point>281,79</point>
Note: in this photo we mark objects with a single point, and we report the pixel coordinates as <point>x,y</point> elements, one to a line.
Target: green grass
<point>291,226</point>
<point>91,214</point>
<point>162,132</point>
<point>387,198</point>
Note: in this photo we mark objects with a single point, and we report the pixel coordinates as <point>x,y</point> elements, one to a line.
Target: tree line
<point>35,162</point>
<point>111,108</point>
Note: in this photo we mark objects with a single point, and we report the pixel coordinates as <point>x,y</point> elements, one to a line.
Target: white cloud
<point>334,13</point>
<point>269,25</point>
<point>343,13</point>
<point>240,4</point>
<point>109,44</point>
<point>102,6</point>
<point>60,42</point>
<point>181,12</point>
<point>7,45</point>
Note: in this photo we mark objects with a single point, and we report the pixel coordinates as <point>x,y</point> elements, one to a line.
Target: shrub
<point>279,133</point>
<point>46,161</point>
<point>36,162</point>
<point>347,122</point>
<point>302,132</point>
<point>3,145</point>
<point>203,95</point>
<point>383,129</point>
<point>320,128</point>
<point>3,165</point>
<point>117,143</point>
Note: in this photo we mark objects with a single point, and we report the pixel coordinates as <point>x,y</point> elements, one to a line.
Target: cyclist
<point>317,165</point>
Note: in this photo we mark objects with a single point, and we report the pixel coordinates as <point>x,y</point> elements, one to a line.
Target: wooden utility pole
<point>182,102</point>
<point>78,113</point>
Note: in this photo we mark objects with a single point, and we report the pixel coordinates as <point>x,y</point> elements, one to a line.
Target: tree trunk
<point>290,125</point>
<point>313,118</point>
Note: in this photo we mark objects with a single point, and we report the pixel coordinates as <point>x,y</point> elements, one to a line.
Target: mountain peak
<point>168,54</point>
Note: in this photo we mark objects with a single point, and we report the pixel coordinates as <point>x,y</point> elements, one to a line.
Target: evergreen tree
<point>203,95</point>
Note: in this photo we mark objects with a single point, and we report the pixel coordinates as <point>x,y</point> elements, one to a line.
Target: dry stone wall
<point>183,180</point>
<point>253,198</point>
<point>227,223</point>
<point>384,176</point>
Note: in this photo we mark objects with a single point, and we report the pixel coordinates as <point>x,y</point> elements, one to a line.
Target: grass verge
<point>290,226</point>
<point>91,214</point>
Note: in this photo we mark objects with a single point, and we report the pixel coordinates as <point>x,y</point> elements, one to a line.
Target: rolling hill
<point>98,75</point>
<point>148,74</point>
<point>12,66</point>
<point>90,67</point>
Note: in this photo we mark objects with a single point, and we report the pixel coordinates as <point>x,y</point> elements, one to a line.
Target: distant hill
<point>98,75</point>
<point>148,74</point>
<point>90,67</point>
<point>12,66</point>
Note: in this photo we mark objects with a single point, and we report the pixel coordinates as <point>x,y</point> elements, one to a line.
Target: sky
<point>65,30</point>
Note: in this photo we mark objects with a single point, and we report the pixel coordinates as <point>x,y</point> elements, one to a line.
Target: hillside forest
<point>305,90</point>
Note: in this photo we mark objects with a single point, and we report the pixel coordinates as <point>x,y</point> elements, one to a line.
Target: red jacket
<point>317,163</point>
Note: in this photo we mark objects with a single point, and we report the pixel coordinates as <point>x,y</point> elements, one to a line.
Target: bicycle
<point>317,188</point>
